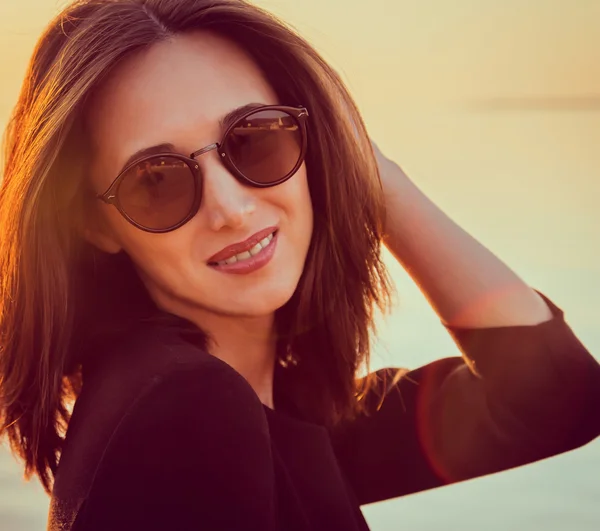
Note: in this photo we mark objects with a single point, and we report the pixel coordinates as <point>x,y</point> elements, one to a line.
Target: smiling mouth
<point>248,254</point>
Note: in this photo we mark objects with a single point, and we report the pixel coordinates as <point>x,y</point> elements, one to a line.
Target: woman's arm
<point>192,453</point>
<point>465,283</point>
<point>526,388</point>
<point>538,395</point>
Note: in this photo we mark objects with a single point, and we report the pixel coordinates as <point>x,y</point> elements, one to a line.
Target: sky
<point>493,108</point>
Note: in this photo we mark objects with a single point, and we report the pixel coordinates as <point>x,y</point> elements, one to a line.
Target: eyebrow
<point>166,147</point>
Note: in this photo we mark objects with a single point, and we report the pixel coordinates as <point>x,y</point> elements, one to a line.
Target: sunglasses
<point>159,193</point>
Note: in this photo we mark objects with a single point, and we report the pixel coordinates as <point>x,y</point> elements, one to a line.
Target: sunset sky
<point>493,108</point>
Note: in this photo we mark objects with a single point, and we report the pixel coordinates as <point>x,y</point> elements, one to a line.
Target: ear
<point>97,232</point>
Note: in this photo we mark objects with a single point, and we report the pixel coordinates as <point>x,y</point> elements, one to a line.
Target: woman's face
<point>176,92</point>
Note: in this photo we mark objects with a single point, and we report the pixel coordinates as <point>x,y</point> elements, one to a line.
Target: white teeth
<point>256,249</point>
<point>250,253</point>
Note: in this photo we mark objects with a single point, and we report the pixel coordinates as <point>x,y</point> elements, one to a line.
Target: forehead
<point>175,91</point>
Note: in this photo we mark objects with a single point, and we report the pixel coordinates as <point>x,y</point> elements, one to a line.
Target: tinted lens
<point>158,193</point>
<point>265,146</point>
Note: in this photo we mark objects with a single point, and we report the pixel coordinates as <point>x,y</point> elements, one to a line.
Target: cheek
<point>302,203</point>
<point>295,194</point>
<point>126,235</point>
<point>164,261</point>
<point>151,253</point>
<point>157,251</point>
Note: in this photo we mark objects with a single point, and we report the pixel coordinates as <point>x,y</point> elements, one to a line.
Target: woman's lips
<point>249,265</point>
<point>240,247</point>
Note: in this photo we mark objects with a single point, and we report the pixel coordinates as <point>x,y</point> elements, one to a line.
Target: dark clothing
<point>167,437</point>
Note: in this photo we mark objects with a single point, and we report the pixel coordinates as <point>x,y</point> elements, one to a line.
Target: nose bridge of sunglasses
<point>205,149</point>
<point>203,165</point>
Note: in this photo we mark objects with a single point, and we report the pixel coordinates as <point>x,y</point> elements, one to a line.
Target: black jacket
<point>167,437</point>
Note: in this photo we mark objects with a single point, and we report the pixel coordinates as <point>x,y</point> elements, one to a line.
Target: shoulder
<point>118,372</point>
<point>152,363</point>
<point>197,409</point>
<point>193,443</point>
<point>147,378</point>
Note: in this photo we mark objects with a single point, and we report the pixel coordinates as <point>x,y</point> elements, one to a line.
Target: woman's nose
<point>225,201</point>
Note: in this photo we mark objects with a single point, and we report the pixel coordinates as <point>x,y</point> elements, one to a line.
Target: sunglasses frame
<point>300,115</point>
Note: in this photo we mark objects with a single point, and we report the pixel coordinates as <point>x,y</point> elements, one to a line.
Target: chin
<point>258,303</point>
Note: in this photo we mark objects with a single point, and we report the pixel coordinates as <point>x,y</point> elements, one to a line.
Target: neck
<point>247,344</point>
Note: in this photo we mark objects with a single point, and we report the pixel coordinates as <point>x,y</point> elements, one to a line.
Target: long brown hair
<point>329,318</point>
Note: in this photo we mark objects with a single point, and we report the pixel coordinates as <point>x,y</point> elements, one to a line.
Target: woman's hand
<point>464,282</point>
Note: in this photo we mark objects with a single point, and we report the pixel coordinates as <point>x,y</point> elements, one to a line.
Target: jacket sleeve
<point>518,395</point>
<point>192,453</point>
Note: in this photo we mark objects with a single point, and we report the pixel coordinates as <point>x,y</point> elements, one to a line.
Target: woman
<point>191,220</point>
